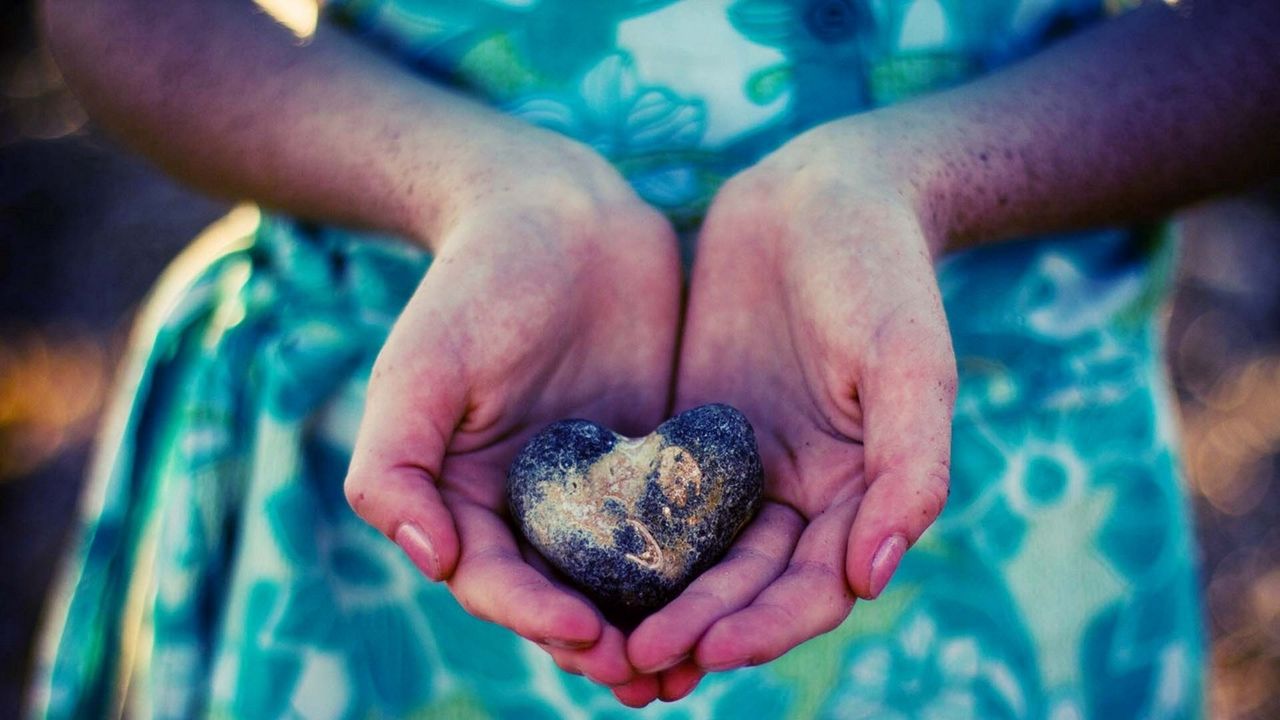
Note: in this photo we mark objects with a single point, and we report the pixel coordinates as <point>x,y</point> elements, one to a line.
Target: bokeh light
<point>52,384</point>
<point>1224,352</point>
<point>300,16</point>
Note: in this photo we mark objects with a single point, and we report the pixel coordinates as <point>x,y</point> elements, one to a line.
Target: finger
<point>907,402</point>
<point>677,682</point>
<point>494,583</point>
<point>604,663</point>
<point>405,505</point>
<point>391,484</point>
<point>639,692</point>
<point>811,597</point>
<point>413,403</point>
<point>667,638</point>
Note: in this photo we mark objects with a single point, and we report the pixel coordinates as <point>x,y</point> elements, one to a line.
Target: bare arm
<point>1152,111</point>
<point>825,252</point>
<point>221,96</point>
<point>555,293</point>
<point>1128,121</point>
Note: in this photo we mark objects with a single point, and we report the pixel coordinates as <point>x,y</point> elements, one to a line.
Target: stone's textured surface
<point>633,521</point>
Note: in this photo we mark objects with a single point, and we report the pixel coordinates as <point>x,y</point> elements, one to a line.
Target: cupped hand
<point>814,308</point>
<point>554,293</point>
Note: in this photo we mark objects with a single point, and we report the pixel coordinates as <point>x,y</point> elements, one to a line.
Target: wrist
<point>894,155</point>
<point>868,162</point>
<point>547,183</point>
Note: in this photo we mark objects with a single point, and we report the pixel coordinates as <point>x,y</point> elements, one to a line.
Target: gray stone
<point>633,521</point>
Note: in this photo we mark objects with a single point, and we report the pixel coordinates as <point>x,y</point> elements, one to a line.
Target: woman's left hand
<point>814,308</point>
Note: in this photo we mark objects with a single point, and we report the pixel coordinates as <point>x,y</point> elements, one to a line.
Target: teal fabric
<point>221,573</point>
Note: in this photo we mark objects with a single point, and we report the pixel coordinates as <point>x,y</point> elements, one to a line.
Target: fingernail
<point>565,644</point>
<point>885,562</point>
<point>415,544</point>
<point>669,663</point>
<point>723,666</point>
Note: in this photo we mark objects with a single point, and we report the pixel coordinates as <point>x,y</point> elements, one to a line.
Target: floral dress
<point>220,573</point>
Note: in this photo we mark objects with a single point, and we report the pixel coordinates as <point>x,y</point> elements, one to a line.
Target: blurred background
<point>85,228</point>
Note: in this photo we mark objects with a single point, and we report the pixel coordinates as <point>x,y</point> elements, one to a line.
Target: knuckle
<point>533,586</point>
<point>748,555</point>
<point>783,615</point>
<point>830,598</point>
<point>817,575</point>
<point>934,489</point>
<point>703,600</point>
<point>356,489</point>
<point>942,366</point>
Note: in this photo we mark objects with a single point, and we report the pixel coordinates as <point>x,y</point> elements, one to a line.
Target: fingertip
<point>885,563</point>
<point>811,598</point>
<point>657,644</point>
<point>637,693</point>
<point>568,622</point>
<point>494,583</point>
<point>677,682</point>
<point>606,662</point>
<point>722,647</point>
<point>603,663</point>
<point>563,659</point>
<point>405,505</point>
<point>574,629</point>
<point>418,547</point>
<point>434,553</point>
<point>757,558</point>
<point>894,514</point>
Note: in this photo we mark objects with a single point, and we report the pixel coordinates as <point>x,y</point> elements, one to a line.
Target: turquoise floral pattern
<point>929,669</point>
<point>652,134</point>
<point>220,572</point>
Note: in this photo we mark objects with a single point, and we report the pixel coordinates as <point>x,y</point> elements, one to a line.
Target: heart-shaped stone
<point>634,521</point>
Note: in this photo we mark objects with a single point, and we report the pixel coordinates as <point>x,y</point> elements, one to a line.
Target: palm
<point>822,323</point>
<point>739,349</point>
<point>526,317</point>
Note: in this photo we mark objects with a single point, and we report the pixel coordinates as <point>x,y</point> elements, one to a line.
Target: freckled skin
<point>664,528</point>
<point>1152,115</point>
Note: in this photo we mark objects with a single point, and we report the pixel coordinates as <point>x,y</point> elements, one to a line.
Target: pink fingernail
<point>885,562</point>
<point>669,663</point>
<point>415,544</point>
<point>565,644</point>
<point>724,665</point>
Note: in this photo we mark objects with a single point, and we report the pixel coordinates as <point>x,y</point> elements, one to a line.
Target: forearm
<point>221,96</point>
<point>1128,121</point>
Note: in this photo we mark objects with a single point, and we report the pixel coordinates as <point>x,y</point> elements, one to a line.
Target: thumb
<point>907,396</point>
<point>411,410</point>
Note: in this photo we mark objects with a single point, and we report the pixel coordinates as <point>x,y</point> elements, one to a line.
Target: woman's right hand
<point>554,293</point>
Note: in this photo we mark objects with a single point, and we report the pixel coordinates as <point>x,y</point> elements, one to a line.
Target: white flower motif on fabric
<point>1079,303</point>
<point>693,49</point>
<point>944,673</point>
<point>633,124</point>
<point>924,28</point>
<point>323,692</point>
